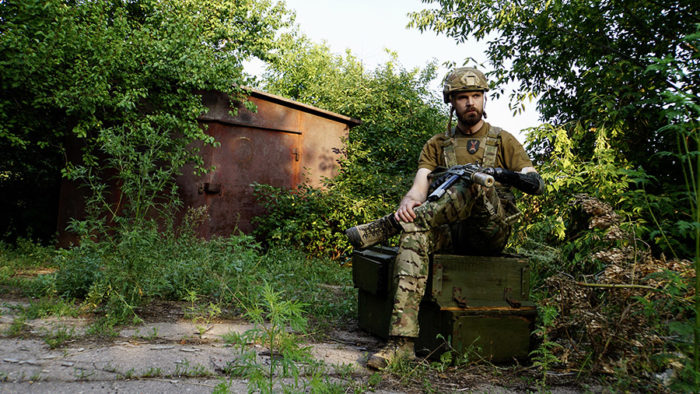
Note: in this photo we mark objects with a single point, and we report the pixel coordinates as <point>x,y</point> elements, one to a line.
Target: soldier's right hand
<point>405,212</point>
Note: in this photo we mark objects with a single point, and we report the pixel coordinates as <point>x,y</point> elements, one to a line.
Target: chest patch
<point>473,146</point>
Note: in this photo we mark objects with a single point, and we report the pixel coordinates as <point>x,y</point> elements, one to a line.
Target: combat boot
<point>396,347</point>
<point>366,235</point>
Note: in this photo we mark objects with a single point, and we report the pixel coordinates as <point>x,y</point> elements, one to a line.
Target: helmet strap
<point>484,108</point>
<point>449,122</point>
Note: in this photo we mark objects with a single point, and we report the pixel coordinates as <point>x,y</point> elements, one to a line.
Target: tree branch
<point>615,286</point>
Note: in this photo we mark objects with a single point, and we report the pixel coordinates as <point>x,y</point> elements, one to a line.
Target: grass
<point>113,278</point>
<point>214,279</point>
<point>59,337</point>
<point>25,266</point>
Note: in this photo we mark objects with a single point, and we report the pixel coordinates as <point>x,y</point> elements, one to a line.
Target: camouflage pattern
<point>474,209</point>
<point>464,79</point>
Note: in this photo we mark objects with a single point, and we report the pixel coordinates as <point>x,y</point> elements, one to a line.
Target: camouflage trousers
<point>468,219</point>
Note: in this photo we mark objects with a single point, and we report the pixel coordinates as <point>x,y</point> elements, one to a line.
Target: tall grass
<point>116,277</point>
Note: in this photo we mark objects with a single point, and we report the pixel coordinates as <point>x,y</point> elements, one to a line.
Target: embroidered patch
<point>473,146</point>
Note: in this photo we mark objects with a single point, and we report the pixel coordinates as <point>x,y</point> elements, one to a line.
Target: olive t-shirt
<point>470,149</point>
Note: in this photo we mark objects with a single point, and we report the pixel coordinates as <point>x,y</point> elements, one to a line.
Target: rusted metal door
<point>247,155</point>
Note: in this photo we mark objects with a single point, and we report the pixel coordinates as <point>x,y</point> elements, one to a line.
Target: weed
<point>104,327</point>
<point>375,379</point>
<point>114,276</point>
<point>276,324</point>
<point>201,316</point>
<point>5,273</point>
<point>24,254</point>
<point>224,387</point>
<point>234,338</point>
<point>152,373</point>
<point>59,337</point>
<point>129,374</point>
<point>82,374</point>
<point>50,306</point>
<point>153,335</point>
<point>407,370</point>
<point>17,328</point>
<point>543,357</point>
<point>344,370</point>
<point>184,369</point>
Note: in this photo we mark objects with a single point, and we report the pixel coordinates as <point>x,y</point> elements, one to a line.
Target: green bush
<point>313,219</point>
<point>553,229</point>
<point>117,276</point>
<point>106,92</point>
<point>79,269</point>
<point>399,114</point>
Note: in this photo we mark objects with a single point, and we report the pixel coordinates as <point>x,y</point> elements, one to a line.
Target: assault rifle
<point>530,182</point>
<point>470,172</point>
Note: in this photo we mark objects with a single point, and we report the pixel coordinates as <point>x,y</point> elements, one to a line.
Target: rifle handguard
<point>530,182</point>
<point>468,172</point>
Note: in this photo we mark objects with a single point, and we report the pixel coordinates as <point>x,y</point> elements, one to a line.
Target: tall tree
<point>586,61</point>
<point>396,106</point>
<point>119,78</point>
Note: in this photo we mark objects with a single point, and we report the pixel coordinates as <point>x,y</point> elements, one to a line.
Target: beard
<point>470,118</point>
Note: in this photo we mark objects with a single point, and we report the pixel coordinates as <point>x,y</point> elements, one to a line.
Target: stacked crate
<point>478,303</point>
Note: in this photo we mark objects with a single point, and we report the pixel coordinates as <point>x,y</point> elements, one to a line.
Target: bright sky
<point>368,27</point>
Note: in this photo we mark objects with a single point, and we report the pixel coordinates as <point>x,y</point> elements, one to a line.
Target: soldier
<point>467,219</point>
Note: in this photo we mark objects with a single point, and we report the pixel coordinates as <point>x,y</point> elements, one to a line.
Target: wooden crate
<point>372,270</point>
<point>479,281</point>
<point>478,303</point>
<point>498,334</point>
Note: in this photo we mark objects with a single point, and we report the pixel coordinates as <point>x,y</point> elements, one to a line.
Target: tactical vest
<point>493,140</point>
<point>491,145</point>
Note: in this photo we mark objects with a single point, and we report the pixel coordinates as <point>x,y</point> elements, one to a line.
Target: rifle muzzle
<point>482,179</point>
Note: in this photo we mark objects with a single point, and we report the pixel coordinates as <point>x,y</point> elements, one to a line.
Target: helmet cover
<point>464,79</point>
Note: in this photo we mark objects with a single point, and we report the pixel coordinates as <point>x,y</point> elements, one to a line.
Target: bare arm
<point>415,196</point>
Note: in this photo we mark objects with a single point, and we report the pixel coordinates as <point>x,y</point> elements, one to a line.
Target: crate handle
<point>458,297</point>
<point>510,300</point>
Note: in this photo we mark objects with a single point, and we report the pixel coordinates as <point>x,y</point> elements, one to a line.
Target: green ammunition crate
<point>471,281</point>
<point>498,334</point>
<point>479,303</point>
<point>371,273</point>
<point>372,269</point>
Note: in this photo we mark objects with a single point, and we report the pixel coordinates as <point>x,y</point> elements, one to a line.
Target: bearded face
<point>469,107</point>
<point>471,116</point>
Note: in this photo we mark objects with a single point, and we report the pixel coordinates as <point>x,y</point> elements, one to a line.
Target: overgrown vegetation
<point>115,278</point>
<point>620,160</point>
<point>103,92</point>
<point>398,112</point>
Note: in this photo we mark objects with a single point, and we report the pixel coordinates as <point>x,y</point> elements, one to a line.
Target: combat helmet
<point>464,79</point>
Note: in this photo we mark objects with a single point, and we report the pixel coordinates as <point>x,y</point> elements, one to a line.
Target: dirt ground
<point>169,352</point>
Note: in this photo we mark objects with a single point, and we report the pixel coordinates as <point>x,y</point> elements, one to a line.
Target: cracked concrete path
<point>152,357</point>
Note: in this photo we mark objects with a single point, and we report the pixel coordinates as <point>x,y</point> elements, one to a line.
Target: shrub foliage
<point>399,114</point>
<point>105,92</point>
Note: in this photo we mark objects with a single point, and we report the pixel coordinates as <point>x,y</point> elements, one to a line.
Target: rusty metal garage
<point>282,144</point>
<point>279,145</point>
